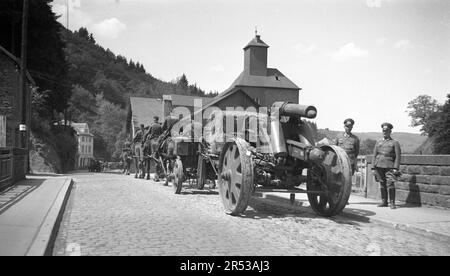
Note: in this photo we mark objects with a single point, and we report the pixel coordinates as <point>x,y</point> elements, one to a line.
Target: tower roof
<point>256,42</point>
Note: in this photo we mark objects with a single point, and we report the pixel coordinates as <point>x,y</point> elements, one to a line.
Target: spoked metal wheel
<point>235,176</point>
<point>201,172</point>
<point>333,178</point>
<point>178,176</point>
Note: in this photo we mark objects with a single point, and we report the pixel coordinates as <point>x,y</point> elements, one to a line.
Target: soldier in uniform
<point>386,163</point>
<point>126,157</point>
<point>138,148</point>
<point>349,142</point>
<point>151,143</point>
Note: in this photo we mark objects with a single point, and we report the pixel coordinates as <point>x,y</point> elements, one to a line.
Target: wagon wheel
<point>201,172</point>
<point>178,175</point>
<point>235,181</point>
<point>333,177</point>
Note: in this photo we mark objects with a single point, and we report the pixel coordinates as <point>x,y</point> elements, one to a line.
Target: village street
<point>112,214</point>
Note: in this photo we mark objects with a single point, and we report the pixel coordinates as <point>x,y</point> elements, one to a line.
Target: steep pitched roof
<point>184,100</point>
<point>143,110</point>
<point>223,96</point>
<point>274,79</point>
<point>256,42</point>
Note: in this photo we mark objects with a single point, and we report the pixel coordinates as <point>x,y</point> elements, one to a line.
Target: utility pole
<point>24,128</point>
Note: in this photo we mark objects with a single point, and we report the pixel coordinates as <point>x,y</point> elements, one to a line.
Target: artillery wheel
<point>235,180</point>
<point>201,172</point>
<point>333,175</point>
<point>178,175</point>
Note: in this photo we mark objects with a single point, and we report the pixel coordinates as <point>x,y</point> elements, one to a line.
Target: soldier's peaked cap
<point>349,120</point>
<point>389,125</point>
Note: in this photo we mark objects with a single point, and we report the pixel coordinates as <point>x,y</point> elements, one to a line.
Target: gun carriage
<point>278,155</point>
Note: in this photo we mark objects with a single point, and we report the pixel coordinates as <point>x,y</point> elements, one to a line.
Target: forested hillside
<point>78,80</point>
<point>102,82</point>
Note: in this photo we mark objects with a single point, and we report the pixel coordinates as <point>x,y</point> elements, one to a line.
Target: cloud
<point>380,41</point>
<point>217,68</point>
<point>305,49</point>
<point>349,51</point>
<point>402,44</point>
<point>77,18</point>
<point>373,3</point>
<point>109,28</point>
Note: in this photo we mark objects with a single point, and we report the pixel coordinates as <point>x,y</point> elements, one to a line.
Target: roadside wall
<point>425,180</point>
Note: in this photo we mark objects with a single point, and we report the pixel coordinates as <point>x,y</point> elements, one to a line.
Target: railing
<point>359,178</point>
<point>5,164</point>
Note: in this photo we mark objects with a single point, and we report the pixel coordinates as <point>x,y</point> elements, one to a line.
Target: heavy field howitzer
<point>289,159</point>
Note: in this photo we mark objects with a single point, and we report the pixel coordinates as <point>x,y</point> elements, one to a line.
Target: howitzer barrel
<point>291,109</point>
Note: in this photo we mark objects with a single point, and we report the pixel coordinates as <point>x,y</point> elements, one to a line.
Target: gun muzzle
<point>298,110</point>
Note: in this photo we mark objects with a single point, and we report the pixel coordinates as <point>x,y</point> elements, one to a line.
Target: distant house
<point>141,110</point>
<point>13,140</point>
<point>172,101</point>
<point>85,144</point>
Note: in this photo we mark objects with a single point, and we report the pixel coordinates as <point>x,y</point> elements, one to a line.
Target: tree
<point>183,82</point>
<point>438,126</point>
<point>46,60</point>
<point>420,109</point>
<point>83,33</point>
<point>110,123</point>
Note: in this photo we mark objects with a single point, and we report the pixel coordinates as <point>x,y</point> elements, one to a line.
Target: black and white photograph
<point>225,133</point>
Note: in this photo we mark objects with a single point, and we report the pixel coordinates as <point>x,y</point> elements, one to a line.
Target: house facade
<point>14,132</point>
<point>85,145</point>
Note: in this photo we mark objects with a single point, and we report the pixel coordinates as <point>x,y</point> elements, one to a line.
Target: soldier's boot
<point>148,176</point>
<point>392,198</point>
<point>136,175</point>
<point>384,199</point>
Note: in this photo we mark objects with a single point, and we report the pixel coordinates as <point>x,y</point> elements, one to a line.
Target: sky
<point>363,59</point>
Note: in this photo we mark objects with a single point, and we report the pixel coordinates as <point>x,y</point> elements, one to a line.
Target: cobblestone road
<point>110,214</point>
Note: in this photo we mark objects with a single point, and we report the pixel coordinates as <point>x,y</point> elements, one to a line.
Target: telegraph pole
<point>26,103</point>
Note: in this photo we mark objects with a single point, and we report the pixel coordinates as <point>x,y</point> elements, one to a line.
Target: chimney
<point>167,105</point>
<point>255,57</point>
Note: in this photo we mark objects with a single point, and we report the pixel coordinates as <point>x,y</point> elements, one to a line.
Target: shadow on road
<point>263,208</point>
<point>17,192</point>
<point>198,192</point>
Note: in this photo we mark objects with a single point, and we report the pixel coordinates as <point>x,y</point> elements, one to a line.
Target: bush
<point>64,140</point>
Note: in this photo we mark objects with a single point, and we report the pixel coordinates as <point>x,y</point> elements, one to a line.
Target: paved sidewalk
<point>29,214</point>
<point>426,220</point>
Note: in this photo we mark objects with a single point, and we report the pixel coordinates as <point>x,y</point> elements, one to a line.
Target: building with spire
<point>262,84</point>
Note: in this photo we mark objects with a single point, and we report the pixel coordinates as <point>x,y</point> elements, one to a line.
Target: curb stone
<point>43,241</point>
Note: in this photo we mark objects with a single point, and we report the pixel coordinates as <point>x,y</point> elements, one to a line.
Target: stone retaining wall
<point>425,180</point>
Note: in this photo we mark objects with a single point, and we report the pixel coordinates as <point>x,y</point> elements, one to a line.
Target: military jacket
<point>350,143</point>
<point>387,154</point>
<point>153,132</point>
<point>138,136</point>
